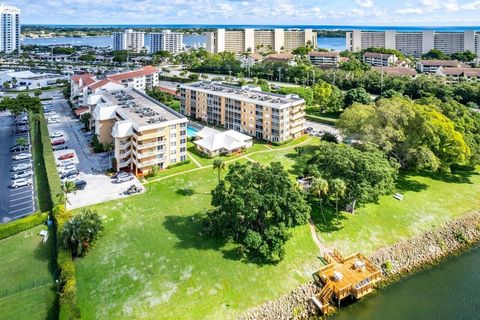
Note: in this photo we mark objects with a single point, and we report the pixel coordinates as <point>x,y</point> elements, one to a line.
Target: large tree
<point>357,95</point>
<point>255,206</point>
<point>365,175</point>
<point>417,136</point>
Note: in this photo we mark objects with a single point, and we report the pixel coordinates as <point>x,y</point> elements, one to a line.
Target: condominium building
<point>9,29</point>
<point>166,41</point>
<point>379,59</point>
<point>455,75</point>
<point>414,43</point>
<point>331,58</point>
<point>266,116</point>
<point>432,66</point>
<point>86,84</point>
<point>273,40</point>
<point>128,40</point>
<point>144,132</point>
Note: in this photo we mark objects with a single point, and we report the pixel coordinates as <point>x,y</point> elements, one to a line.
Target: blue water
<point>191,131</point>
<point>189,40</point>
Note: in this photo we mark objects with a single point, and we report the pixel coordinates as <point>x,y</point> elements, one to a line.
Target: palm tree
<point>109,148</point>
<point>219,165</point>
<point>22,142</point>
<point>320,188</point>
<point>338,189</point>
<point>67,187</point>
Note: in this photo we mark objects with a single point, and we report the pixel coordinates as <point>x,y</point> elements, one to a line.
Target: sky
<point>293,12</point>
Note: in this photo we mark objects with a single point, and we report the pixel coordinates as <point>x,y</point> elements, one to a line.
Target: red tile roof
<point>101,83</point>
<point>80,111</point>
<point>147,70</point>
<point>397,71</point>
<point>467,72</point>
<point>87,79</point>
<point>440,63</point>
<point>377,55</point>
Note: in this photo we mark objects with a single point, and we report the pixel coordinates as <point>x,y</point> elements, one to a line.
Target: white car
<point>21,167</point>
<point>66,162</point>
<point>64,169</point>
<point>21,183</point>
<point>57,134</point>
<point>22,156</point>
<point>53,121</point>
<point>123,177</point>
<point>71,177</point>
<point>22,174</point>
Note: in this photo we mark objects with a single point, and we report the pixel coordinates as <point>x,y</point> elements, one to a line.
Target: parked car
<point>60,147</point>
<point>22,156</point>
<point>21,182</point>
<point>68,168</point>
<point>56,134</point>
<point>21,122</point>
<point>66,162</point>
<point>80,184</point>
<point>50,121</point>
<point>124,177</point>
<point>71,177</point>
<point>133,189</point>
<point>22,167</point>
<point>70,172</point>
<point>23,129</point>
<point>57,142</point>
<point>66,156</point>
<point>22,174</point>
<point>17,148</point>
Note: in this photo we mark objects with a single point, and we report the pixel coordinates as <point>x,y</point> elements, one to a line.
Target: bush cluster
<point>14,227</point>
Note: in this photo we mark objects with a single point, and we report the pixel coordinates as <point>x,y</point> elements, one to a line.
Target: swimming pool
<point>191,131</point>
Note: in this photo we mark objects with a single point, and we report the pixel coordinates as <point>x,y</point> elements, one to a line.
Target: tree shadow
<point>458,174</point>
<point>300,160</point>
<point>189,232</point>
<point>328,222</point>
<point>404,183</point>
<point>185,192</point>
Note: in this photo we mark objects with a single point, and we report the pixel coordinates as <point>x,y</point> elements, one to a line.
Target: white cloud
<point>364,3</point>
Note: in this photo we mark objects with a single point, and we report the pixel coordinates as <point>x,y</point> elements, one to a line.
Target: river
<point>450,290</point>
<point>189,40</point>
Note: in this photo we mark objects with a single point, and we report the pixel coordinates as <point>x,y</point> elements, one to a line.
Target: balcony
<point>125,144</point>
<point>149,154</point>
<point>125,153</point>
<point>149,163</point>
<point>122,164</point>
<point>141,146</point>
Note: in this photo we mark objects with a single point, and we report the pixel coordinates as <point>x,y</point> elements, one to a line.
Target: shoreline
<point>405,257</point>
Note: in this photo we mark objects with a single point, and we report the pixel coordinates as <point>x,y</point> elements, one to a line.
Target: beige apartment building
<point>144,132</point>
<point>414,43</point>
<point>265,116</point>
<point>272,40</point>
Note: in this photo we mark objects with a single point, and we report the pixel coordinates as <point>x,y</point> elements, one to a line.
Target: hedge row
<point>321,119</point>
<point>14,227</point>
<point>54,181</point>
<point>67,286</point>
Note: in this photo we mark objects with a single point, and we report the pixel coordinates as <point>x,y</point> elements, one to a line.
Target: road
<point>322,127</point>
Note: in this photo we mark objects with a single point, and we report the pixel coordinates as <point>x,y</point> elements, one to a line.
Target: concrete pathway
<point>323,249</point>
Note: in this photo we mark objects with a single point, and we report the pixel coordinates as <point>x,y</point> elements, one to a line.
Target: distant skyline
<point>274,12</point>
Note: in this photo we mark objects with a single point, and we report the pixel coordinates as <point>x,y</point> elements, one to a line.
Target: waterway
<point>189,40</point>
<point>450,290</point>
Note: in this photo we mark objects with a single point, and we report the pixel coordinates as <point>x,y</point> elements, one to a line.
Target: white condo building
<point>272,40</point>
<point>128,40</point>
<point>166,41</point>
<point>9,29</point>
<point>415,43</point>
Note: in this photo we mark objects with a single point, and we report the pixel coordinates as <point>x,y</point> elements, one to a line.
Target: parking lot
<point>14,202</point>
<point>91,167</point>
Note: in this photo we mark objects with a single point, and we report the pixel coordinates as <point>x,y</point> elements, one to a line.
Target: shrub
<point>460,236</point>
<point>387,266</point>
<point>96,145</point>
<point>14,227</point>
<point>67,286</point>
<point>81,231</point>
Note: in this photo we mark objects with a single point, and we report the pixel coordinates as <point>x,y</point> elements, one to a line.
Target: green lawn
<point>428,202</point>
<point>26,282</point>
<point>153,261</point>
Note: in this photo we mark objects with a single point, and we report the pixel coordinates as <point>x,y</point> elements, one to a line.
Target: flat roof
<point>246,94</point>
<point>139,108</point>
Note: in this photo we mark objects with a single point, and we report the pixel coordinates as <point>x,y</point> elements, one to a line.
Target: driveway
<point>14,203</point>
<point>92,167</point>
<point>323,127</point>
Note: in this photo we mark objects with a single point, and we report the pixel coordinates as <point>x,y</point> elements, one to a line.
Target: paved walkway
<point>246,156</point>
<point>194,160</point>
<point>323,249</point>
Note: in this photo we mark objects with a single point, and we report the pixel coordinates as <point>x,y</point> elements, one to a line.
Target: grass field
<point>26,282</point>
<point>428,202</point>
<point>154,262</point>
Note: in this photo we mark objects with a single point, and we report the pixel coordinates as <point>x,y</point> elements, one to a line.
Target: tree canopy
<point>255,206</point>
<point>22,102</point>
<point>81,231</point>
<point>358,95</point>
<point>365,175</point>
<point>417,136</point>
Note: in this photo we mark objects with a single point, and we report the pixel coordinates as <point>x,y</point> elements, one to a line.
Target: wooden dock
<point>353,276</point>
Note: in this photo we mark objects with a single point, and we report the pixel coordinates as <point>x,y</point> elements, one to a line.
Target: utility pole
<point>279,74</point>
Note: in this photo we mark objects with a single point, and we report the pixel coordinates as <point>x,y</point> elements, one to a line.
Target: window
<point>183,158</point>
<point>182,149</point>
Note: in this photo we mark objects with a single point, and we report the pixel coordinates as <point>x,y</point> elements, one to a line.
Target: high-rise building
<point>129,40</point>
<point>166,41</point>
<point>414,43</point>
<point>9,29</point>
<point>276,40</point>
<point>267,116</point>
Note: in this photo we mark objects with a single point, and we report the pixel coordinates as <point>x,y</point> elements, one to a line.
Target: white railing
<point>122,164</point>
<point>149,145</point>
